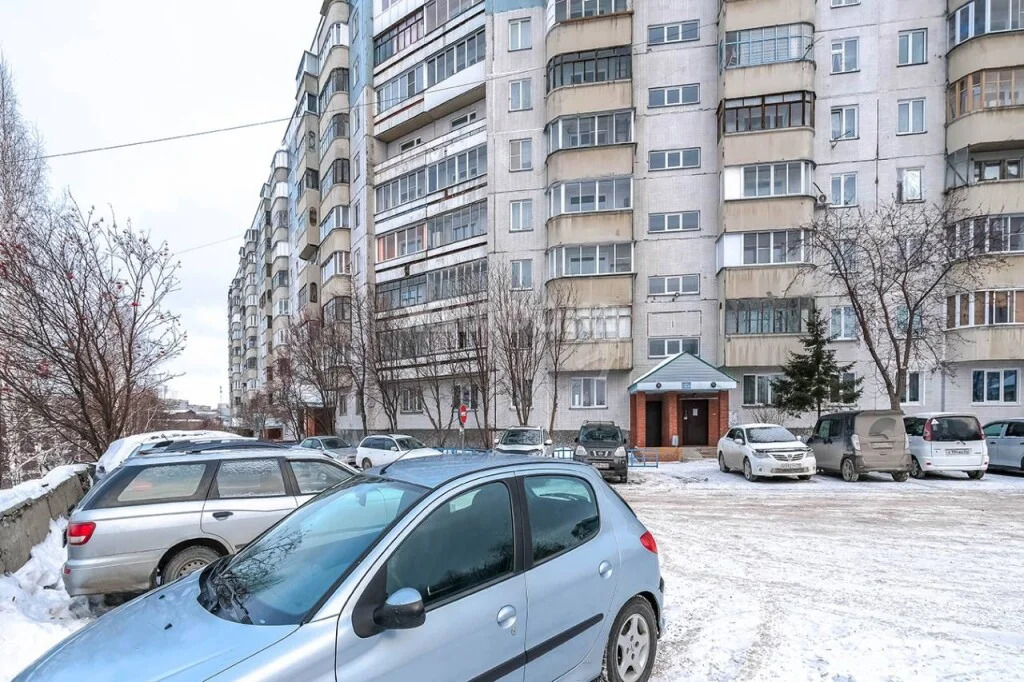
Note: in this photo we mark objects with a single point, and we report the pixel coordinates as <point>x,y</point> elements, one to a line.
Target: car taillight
<point>855,442</point>
<point>647,540</point>
<point>927,435</point>
<point>80,533</point>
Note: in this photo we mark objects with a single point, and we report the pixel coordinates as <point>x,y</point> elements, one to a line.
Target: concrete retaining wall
<point>26,522</point>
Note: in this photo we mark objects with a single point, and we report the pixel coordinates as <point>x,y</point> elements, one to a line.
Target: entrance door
<point>653,437</point>
<point>695,422</point>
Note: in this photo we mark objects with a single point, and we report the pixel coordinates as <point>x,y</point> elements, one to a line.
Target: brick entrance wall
<point>718,416</point>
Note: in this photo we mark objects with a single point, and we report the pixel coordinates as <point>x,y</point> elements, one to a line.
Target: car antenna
<point>384,469</point>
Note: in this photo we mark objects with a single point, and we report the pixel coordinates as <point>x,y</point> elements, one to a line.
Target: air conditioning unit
<point>821,201</point>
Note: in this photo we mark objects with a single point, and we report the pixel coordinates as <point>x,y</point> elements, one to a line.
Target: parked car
<point>122,448</point>
<point>765,450</point>
<point>946,441</point>
<point>867,441</point>
<point>157,518</point>
<point>603,446</point>
<point>524,440</point>
<point>421,574</point>
<point>375,451</point>
<point>332,446</point>
<point>1005,441</point>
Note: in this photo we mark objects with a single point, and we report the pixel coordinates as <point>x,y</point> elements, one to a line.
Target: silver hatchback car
<point>159,517</point>
<point>476,567</point>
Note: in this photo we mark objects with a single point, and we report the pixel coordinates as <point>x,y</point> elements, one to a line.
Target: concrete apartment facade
<point>662,156</point>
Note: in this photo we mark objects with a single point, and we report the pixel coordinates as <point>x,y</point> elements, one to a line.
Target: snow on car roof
<point>432,471</point>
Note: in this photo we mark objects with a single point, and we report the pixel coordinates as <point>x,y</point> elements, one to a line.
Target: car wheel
<point>186,561</point>
<point>804,477</point>
<point>849,471</point>
<point>721,463</point>
<point>748,473</point>
<point>367,464</point>
<point>915,469</point>
<point>624,478</point>
<point>632,644</point>
<point>900,476</point>
<point>975,475</point>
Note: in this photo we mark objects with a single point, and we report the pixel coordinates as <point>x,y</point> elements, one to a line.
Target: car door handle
<point>221,515</point>
<point>506,616</point>
<point>605,569</point>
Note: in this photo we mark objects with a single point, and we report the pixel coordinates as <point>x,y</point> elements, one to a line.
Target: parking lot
<point>826,580</point>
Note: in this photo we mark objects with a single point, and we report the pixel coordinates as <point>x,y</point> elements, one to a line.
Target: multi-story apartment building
<point>660,157</point>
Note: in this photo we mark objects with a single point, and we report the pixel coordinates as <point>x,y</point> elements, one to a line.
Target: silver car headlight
<point>580,451</point>
<point>762,453</point>
<point>620,452</point>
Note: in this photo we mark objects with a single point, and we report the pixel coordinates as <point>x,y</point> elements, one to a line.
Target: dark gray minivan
<point>855,443</point>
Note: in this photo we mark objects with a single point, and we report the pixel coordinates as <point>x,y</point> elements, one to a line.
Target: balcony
<point>758,350</point>
<point>746,14</point>
<point>990,51</point>
<point>588,162</point>
<point>596,290</point>
<point>590,228</point>
<point>987,129</point>
<point>590,33</point>
<point>766,281</point>
<point>983,344</point>
<point>778,144</point>
<point>595,356</point>
<point>764,79</point>
<point>768,213</point>
<point>993,197</point>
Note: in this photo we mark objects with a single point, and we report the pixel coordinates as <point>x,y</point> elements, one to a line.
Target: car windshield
<point>770,434</point>
<point>281,576</point>
<point>606,433</point>
<point>334,443</point>
<point>408,443</point>
<point>522,437</point>
<point>956,429</point>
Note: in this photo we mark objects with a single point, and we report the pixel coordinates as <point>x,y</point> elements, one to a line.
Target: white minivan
<point>946,441</point>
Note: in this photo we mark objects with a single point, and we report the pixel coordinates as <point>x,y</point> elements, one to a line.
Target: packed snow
<point>38,487</point>
<point>35,610</point>
<point>826,580</point>
<point>781,580</point>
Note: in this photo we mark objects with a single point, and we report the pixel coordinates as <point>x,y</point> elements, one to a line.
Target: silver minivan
<point>855,443</point>
<point>159,517</point>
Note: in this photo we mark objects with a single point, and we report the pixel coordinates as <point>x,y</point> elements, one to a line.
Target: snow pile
<point>35,610</point>
<point>37,487</point>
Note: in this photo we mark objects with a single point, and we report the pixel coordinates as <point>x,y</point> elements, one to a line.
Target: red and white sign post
<point>463,416</point>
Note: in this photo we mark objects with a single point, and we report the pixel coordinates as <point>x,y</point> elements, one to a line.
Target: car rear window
<point>1015,430</point>
<point>563,514</point>
<point>956,428</point>
<point>887,426</point>
<point>163,483</point>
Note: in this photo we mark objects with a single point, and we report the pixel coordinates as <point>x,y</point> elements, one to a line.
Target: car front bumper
<point>606,467</point>
<point>767,467</point>
<point>110,574</point>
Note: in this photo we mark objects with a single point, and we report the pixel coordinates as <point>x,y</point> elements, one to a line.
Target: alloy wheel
<point>633,648</point>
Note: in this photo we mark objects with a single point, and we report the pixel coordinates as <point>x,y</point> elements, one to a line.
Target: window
<point>521,155</point>
<point>592,66</point>
<point>521,218</point>
<point>401,190</point>
<point>315,477</point>
<point>356,165</point>
<point>913,46</point>
<point>600,259</point>
<point>985,308</point>
<point>844,123</point>
<point>992,234</point>
<point>337,127</point>
<point>456,58</point>
<point>997,169</point>
<point>410,401</point>
<point>994,386</point>
<point>767,315</point>
<point>336,173</point>
<point>768,45</point>
<point>757,389</point>
<point>673,285</point>
<point>911,117</point>
<point>404,242</point>
<point>673,95</point>
<point>770,112</point>
<point>161,484</point>
<point>844,189</point>
<point>844,3</point>
<point>519,94</point>
<point>588,392</point>
<point>581,9</point>
<point>400,36</point>
<point>470,544</point>
<point>464,120</point>
<point>664,348</point>
<point>590,130</point>
<point>585,196</point>
<point>673,222</point>
<point>522,274</point>
<point>843,324</point>
<point>519,35</point>
<point>913,392</point>
<point>440,11</point>
<point>457,168</point>
<point>995,430</point>
<point>599,324</point>
<point>563,514</point>
<point>464,395</point>
<point>843,388</point>
<point>679,32</point>
<point>770,248</point>
<point>844,55</point>
<point>980,17</point>
<point>410,144</point>
<point>990,89</point>
<point>435,285</point>
<point>249,478</point>
<point>773,180</point>
<point>337,82</point>
<point>336,264</point>
<point>669,159</point>
<point>909,185</point>
<point>455,226</point>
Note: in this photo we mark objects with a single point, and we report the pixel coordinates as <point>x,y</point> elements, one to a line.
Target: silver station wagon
<point>159,517</point>
<point>447,568</point>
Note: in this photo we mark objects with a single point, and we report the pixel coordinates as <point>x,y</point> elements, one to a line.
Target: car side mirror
<point>403,610</point>
<point>394,448</point>
<point>576,440</point>
<point>497,440</point>
<point>548,442</point>
<point>738,441</point>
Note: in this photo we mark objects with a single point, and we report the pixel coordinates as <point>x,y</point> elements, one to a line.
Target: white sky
<point>104,72</point>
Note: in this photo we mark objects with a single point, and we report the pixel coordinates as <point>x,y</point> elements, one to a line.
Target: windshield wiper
<point>231,596</point>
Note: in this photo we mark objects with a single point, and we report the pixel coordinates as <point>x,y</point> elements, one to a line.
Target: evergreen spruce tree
<point>810,379</point>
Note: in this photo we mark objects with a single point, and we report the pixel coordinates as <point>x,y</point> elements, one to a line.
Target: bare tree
<point>284,395</point>
<point>317,353</point>
<point>376,350</point>
<point>359,314</point>
<point>474,367</point>
<point>23,189</point>
<point>518,338</point>
<point>897,265</point>
<point>436,345</point>
<point>561,337</point>
<point>254,413</point>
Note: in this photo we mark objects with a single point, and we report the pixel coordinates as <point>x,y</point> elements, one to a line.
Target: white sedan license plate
<point>789,467</point>
<point>601,465</point>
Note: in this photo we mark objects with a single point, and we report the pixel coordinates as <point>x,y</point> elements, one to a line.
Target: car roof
<point>431,472</point>
<point>755,425</point>
<point>235,453</point>
<point>930,415</point>
<point>523,428</point>
<point>386,435</point>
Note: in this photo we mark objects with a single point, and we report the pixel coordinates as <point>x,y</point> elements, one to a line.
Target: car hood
<point>341,451</point>
<point>163,635</point>
<point>508,447</point>
<point>789,445</point>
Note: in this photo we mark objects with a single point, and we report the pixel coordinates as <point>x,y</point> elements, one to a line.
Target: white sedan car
<point>764,450</point>
<point>377,451</point>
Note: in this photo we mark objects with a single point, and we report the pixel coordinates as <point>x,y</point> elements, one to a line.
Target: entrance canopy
<point>682,372</point>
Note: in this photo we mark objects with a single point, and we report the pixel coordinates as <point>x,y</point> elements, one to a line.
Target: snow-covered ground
<point>825,580</point>
<point>781,580</point>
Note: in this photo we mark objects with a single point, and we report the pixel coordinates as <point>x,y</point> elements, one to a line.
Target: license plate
<point>601,465</point>
<point>789,467</point>
<point>958,452</point>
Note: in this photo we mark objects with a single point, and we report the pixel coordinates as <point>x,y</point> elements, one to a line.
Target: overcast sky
<point>104,72</point>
